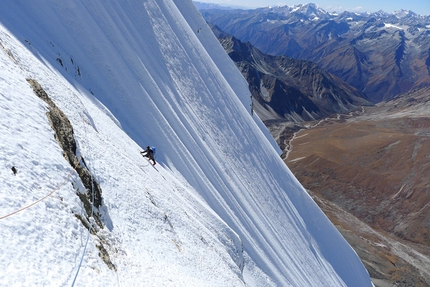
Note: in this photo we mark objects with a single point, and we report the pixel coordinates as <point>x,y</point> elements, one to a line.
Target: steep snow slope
<point>219,209</point>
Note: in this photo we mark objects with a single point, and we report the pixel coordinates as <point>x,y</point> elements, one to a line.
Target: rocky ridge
<point>381,54</point>
<point>288,89</point>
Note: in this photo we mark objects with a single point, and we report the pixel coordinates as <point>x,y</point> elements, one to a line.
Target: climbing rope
<point>92,213</point>
<point>39,200</point>
<point>89,231</point>
<point>72,170</point>
<point>60,185</point>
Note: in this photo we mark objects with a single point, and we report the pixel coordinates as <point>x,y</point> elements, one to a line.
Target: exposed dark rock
<point>104,255</point>
<point>93,197</point>
<point>60,61</point>
<point>64,135</point>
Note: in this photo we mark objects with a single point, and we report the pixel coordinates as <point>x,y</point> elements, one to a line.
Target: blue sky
<point>421,7</point>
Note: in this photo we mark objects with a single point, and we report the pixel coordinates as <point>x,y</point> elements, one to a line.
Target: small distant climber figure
<point>149,152</point>
<point>14,170</point>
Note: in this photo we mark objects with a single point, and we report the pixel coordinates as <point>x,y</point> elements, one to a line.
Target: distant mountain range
<point>201,5</point>
<point>290,89</point>
<point>380,54</point>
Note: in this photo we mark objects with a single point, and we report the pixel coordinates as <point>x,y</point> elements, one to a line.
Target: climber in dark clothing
<point>149,152</point>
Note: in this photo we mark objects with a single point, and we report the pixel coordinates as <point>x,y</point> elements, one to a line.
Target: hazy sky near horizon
<point>421,7</point>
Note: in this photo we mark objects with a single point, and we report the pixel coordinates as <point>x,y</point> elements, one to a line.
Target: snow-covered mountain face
<point>379,53</point>
<point>305,11</point>
<point>220,208</point>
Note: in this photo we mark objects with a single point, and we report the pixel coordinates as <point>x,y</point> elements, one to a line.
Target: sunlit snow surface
<point>130,74</point>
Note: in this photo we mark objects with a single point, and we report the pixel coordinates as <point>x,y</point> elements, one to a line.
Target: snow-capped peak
<point>404,13</point>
